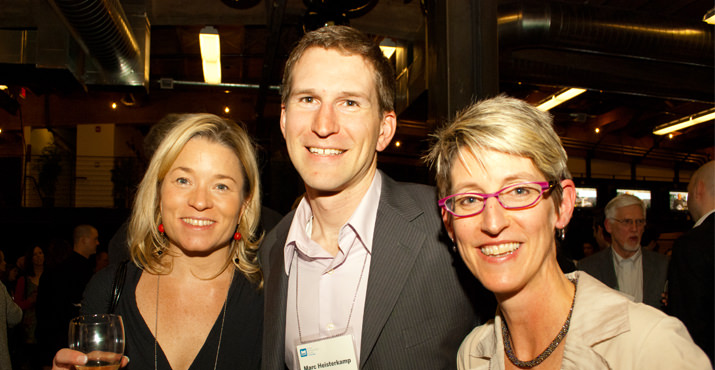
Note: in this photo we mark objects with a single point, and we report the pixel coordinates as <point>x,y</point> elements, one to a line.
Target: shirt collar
<point>620,260</point>
<point>362,222</point>
<point>702,219</point>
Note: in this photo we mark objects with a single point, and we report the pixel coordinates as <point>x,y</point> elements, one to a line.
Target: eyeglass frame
<point>628,222</point>
<point>545,186</point>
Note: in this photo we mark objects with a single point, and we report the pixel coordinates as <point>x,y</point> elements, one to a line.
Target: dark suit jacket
<point>690,283</point>
<point>418,307</point>
<point>655,273</point>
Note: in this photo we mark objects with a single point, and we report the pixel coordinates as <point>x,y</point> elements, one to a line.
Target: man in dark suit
<point>626,266</point>
<point>690,275</point>
<point>358,271</point>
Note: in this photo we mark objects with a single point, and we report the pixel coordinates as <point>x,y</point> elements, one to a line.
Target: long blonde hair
<point>147,244</point>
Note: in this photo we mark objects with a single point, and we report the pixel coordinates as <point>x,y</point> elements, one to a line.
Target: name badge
<point>337,353</point>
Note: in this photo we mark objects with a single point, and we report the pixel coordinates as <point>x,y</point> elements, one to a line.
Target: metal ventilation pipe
<point>578,27</point>
<point>606,49</point>
<point>102,29</point>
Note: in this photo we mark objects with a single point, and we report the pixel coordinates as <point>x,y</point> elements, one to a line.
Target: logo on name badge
<point>303,352</point>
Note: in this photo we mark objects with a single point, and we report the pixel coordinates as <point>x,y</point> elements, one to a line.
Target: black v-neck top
<point>242,332</point>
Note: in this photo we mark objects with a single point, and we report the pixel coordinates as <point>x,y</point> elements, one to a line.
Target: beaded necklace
<point>548,351</point>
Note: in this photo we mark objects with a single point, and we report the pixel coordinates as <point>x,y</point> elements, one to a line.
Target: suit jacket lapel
<point>610,277</point>
<point>275,302</point>
<point>396,245</point>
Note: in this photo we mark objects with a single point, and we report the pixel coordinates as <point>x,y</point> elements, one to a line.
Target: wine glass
<point>100,337</point>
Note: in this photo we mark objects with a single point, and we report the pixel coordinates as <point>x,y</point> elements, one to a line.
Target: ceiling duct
<point>605,48</point>
<point>104,32</point>
<point>321,13</point>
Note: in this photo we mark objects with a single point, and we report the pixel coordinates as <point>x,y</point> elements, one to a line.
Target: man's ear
<point>699,190</point>
<point>607,225</point>
<point>387,130</point>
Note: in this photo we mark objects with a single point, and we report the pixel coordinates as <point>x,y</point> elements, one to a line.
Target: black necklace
<point>547,352</point>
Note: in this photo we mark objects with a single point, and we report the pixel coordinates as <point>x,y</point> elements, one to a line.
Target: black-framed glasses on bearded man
<point>514,197</point>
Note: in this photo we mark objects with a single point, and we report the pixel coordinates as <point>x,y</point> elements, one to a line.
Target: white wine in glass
<point>101,338</point>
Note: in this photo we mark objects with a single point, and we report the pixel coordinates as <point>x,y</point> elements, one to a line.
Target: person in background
<point>57,252</point>
<point>600,235</point>
<point>507,196</point>
<point>359,264</point>
<point>690,274</point>
<point>101,260</point>
<point>13,273</point>
<point>191,297</point>
<point>626,266</point>
<point>10,315</point>
<point>26,297</point>
<point>12,336</point>
<point>649,241</point>
<point>588,248</point>
<point>59,295</point>
<point>20,263</point>
<point>3,269</point>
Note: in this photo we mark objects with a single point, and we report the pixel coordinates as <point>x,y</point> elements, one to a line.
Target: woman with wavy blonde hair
<point>192,294</point>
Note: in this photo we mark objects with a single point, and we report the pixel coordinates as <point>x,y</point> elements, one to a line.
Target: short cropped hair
<point>147,244</point>
<point>503,124</point>
<point>348,41</point>
<point>82,231</point>
<point>620,201</point>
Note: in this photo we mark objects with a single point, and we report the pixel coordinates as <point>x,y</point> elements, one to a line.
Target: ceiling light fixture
<point>210,54</point>
<point>388,51</point>
<point>685,122</point>
<point>388,47</point>
<point>559,97</point>
<point>709,17</point>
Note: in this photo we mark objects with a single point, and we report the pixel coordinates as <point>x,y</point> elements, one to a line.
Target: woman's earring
<point>159,248</point>
<point>561,234</point>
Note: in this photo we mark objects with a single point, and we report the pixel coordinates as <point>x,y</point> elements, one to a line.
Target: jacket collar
<point>593,321</point>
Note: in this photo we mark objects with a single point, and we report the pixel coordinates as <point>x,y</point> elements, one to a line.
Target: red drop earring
<point>237,234</point>
<point>161,228</point>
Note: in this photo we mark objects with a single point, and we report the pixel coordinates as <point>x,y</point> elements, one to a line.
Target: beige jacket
<point>608,331</point>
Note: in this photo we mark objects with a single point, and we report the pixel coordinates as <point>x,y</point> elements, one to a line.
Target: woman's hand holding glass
<point>95,342</point>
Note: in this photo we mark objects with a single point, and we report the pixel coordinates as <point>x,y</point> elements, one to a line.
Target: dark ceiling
<point>643,63</point>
